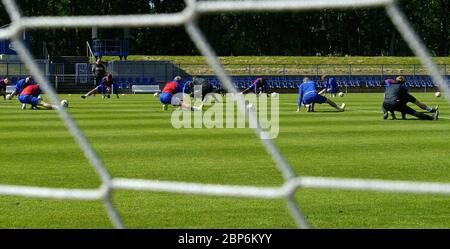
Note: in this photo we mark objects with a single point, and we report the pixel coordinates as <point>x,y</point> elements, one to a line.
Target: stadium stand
<point>359,82</point>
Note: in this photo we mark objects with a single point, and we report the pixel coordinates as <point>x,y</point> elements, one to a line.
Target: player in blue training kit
<point>258,86</point>
<point>330,85</point>
<point>20,85</point>
<point>407,98</point>
<point>308,95</point>
<point>188,88</point>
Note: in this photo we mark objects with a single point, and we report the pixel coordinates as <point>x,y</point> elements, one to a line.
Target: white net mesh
<point>188,18</point>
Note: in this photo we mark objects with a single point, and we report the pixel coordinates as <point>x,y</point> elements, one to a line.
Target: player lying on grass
<point>206,90</point>
<point>396,98</point>
<point>30,95</point>
<point>3,83</point>
<point>308,95</point>
<point>409,98</point>
<point>106,88</point>
<point>172,95</point>
<point>331,85</point>
<point>258,86</point>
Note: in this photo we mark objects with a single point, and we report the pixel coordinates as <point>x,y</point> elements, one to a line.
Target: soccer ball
<point>156,94</point>
<point>251,107</point>
<point>274,94</point>
<point>64,103</point>
<point>437,94</point>
<point>8,97</point>
<point>341,94</point>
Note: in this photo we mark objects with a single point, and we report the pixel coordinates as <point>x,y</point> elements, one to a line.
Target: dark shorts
<point>394,106</point>
<point>410,98</point>
<point>208,88</point>
<point>334,90</point>
<point>104,89</point>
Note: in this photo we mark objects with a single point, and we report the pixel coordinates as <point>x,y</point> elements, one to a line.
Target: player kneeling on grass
<point>206,89</point>
<point>20,85</point>
<point>171,95</point>
<point>408,98</point>
<point>330,85</point>
<point>106,88</point>
<point>396,98</point>
<point>30,95</point>
<point>308,95</point>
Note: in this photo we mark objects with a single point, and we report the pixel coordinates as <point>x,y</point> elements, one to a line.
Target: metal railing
<point>314,69</point>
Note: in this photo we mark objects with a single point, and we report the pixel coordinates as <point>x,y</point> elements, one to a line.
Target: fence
<point>141,72</point>
<point>314,69</point>
<point>16,69</point>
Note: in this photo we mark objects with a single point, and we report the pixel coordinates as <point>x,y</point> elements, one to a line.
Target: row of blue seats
<point>353,83</point>
<point>293,85</point>
<point>343,81</point>
<point>135,80</point>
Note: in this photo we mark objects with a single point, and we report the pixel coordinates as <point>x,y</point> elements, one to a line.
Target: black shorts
<point>394,106</point>
<point>410,98</point>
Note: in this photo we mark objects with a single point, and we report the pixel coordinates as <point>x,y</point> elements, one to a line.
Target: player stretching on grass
<point>30,95</point>
<point>330,85</point>
<point>308,95</point>
<point>395,99</point>
<point>258,86</point>
<point>171,95</point>
<point>106,88</point>
<point>20,85</point>
<point>408,98</point>
<point>207,89</point>
<point>3,83</point>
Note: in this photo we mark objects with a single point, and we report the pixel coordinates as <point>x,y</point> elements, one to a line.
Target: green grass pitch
<point>135,139</point>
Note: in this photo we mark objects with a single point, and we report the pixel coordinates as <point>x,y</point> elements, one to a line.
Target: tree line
<point>364,32</point>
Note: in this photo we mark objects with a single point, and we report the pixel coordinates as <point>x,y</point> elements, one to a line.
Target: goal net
<point>187,18</point>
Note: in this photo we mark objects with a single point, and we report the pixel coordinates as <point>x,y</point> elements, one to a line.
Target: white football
<point>274,94</point>
<point>8,97</point>
<point>251,107</point>
<point>156,94</point>
<point>341,94</point>
<point>64,103</point>
<point>437,94</point>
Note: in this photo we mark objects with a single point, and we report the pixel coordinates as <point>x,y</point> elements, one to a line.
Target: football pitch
<point>135,139</point>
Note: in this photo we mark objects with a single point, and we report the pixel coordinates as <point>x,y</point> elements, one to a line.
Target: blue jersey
<point>187,87</point>
<point>21,84</point>
<point>332,83</point>
<point>390,82</point>
<point>306,88</point>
